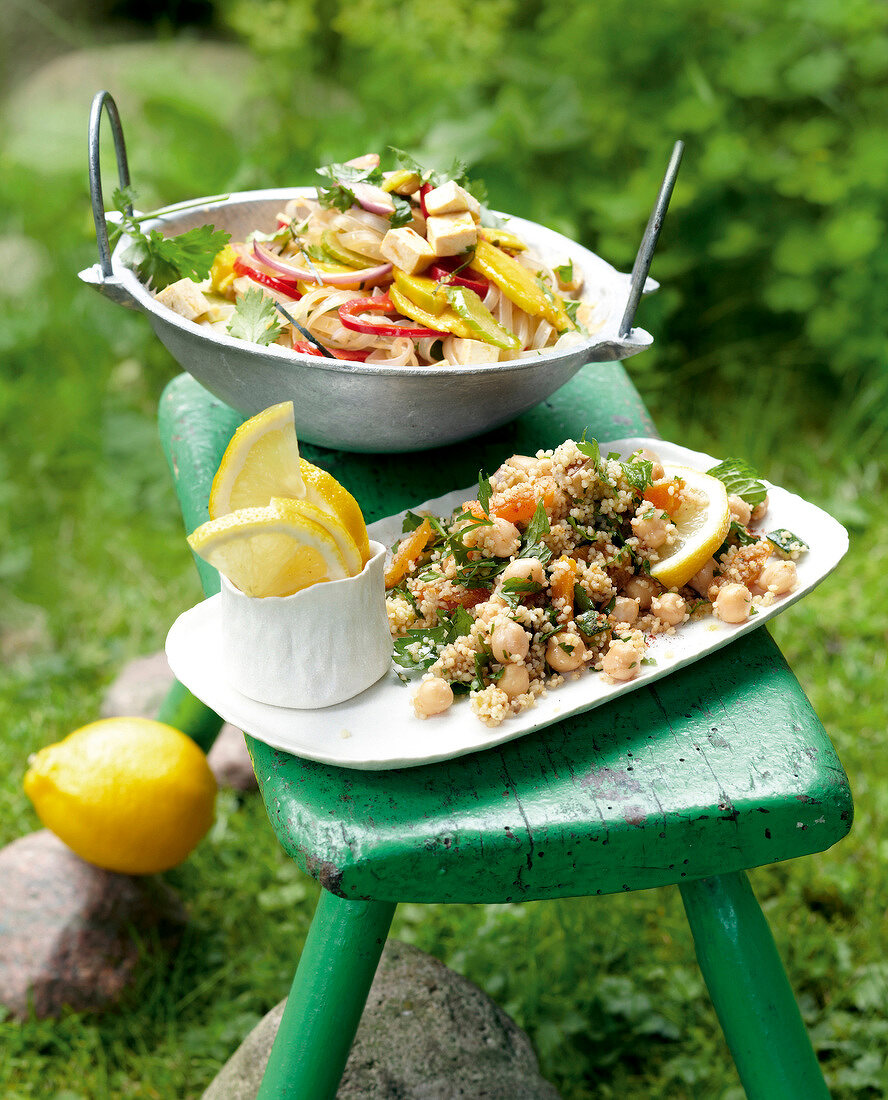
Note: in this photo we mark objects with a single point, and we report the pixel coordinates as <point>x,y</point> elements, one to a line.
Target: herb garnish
<point>255,318</point>
<point>741,479</point>
<point>431,639</point>
<point>159,260</point>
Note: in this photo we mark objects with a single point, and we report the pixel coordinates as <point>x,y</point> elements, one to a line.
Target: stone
<point>71,935</point>
<point>230,762</point>
<point>139,688</point>
<point>426,1033</point>
<point>138,692</point>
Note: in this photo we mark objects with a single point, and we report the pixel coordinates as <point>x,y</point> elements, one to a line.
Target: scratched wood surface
<point>719,767</point>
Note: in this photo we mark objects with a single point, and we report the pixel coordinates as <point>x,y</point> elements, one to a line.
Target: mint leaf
<point>403,213</point>
<point>741,479</point>
<point>255,318</point>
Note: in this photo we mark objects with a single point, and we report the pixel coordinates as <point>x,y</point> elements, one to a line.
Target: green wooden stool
<point>717,768</point>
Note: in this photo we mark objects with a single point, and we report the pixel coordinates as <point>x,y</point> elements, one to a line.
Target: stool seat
<point>654,788</point>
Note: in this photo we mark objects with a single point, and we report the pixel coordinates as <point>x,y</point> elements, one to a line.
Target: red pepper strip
<point>380,304</point>
<point>304,348</point>
<point>443,274</point>
<point>282,286</point>
<point>423,191</point>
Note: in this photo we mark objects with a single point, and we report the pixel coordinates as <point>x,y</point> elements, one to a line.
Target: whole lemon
<point>127,794</point>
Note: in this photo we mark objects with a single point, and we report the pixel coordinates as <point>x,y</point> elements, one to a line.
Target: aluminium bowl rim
<point>190,329</point>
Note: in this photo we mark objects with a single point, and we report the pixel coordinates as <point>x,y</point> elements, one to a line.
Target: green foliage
<point>772,251</point>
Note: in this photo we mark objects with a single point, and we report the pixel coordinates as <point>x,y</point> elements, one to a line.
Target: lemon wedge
<point>277,550</point>
<point>324,491</point>
<point>702,522</point>
<point>262,461</point>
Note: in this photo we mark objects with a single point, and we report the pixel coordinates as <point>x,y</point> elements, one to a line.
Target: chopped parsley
<point>431,640</point>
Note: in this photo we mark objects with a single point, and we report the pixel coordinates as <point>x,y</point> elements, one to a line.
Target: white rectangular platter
<point>378,730</point>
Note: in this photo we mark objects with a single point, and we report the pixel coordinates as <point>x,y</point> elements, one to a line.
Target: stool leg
<point>181,710</point>
<point>750,991</point>
<point>327,998</point>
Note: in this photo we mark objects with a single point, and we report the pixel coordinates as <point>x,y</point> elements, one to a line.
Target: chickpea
<point>669,608</point>
<point>657,470</point>
<point>732,603</point>
<point>524,569</point>
<point>625,610</point>
<point>509,642</point>
<point>760,511</point>
<point>740,510</point>
<point>525,463</point>
<point>515,680</point>
<point>778,576</point>
<point>621,662</point>
<point>641,589</point>
<point>433,696</point>
<point>502,539</point>
<point>565,651</point>
<point>701,581</point>
<point>650,528</point>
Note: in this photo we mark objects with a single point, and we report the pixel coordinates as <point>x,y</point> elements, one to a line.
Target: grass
<point>94,569</point>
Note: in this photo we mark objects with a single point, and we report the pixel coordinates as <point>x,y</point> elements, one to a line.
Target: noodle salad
<point>401,268</point>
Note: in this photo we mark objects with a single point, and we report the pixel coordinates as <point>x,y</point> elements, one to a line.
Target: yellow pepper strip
<point>402,180</point>
<point>222,273</point>
<point>519,285</point>
<point>447,321</point>
<point>502,238</point>
<point>426,293</point>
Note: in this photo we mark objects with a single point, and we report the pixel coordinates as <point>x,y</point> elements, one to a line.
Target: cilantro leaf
<point>403,212</point>
<point>337,193</point>
<point>255,318</point>
<point>740,478</point>
<point>565,272</point>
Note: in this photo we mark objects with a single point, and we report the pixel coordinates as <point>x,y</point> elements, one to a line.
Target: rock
<point>230,762</point>
<point>427,1033</point>
<point>139,690</point>
<point>70,933</point>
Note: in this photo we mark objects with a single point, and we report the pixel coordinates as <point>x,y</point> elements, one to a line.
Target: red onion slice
<point>368,160</point>
<point>365,276</point>
<point>373,198</point>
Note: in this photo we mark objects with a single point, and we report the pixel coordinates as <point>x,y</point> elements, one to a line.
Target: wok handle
<point>104,101</point>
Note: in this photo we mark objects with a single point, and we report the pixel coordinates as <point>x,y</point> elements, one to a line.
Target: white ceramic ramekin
<point>315,648</point>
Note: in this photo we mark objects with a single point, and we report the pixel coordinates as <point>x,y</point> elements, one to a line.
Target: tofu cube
<point>450,198</point>
<point>407,250</point>
<point>185,298</point>
<point>472,352</point>
<point>451,234</point>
